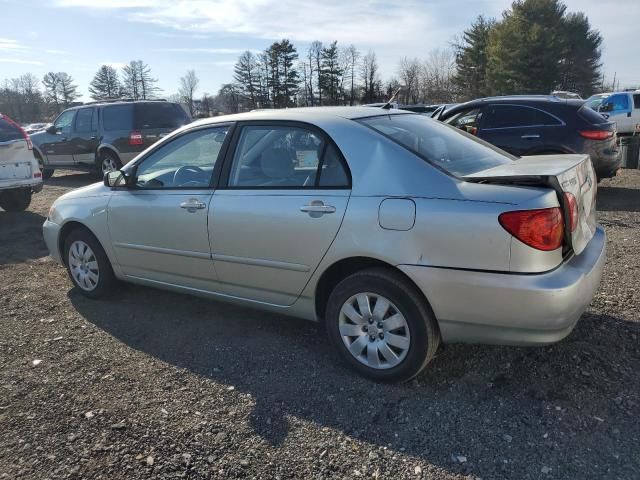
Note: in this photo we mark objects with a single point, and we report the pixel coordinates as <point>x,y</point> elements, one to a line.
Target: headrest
<point>277,163</point>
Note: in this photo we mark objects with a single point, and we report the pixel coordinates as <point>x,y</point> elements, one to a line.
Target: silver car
<point>397,231</point>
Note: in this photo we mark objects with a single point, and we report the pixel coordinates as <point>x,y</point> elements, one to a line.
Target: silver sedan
<point>395,230</point>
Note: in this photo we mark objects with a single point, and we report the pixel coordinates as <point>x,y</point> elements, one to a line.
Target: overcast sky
<point>172,36</point>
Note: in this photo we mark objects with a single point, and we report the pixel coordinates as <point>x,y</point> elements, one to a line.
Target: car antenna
<point>387,105</point>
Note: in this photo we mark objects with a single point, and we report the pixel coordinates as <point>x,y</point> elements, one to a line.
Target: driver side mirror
<point>116,178</point>
<point>52,130</point>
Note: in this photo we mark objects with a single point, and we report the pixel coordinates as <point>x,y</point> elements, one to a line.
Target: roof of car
<point>302,114</point>
<point>516,99</point>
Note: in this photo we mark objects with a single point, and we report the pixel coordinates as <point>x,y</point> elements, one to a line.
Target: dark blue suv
<point>540,125</point>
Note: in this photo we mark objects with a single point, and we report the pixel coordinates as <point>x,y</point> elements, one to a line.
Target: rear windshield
<point>591,116</point>
<point>452,150</point>
<point>160,115</point>
<point>8,131</point>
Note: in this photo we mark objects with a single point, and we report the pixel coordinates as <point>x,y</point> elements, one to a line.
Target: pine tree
<point>51,84</point>
<point>68,91</point>
<point>290,76</point>
<point>330,73</point>
<point>138,83</point>
<point>105,84</point>
<point>247,77</point>
<point>471,59</point>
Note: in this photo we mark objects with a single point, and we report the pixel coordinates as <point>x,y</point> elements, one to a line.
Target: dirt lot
<point>159,385</point>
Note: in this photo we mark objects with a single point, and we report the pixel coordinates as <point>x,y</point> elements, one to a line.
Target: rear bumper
<point>606,160</point>
<point>512,309</point>
<point>34,185</point>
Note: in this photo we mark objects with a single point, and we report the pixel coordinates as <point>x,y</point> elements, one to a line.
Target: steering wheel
<point>190,170</point>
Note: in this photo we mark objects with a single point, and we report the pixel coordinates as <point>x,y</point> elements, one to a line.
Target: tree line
<point>537,46</point>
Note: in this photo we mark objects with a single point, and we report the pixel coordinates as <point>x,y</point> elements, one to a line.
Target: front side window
<point>440,144</point>
<point>466,120</point>
<point>285,157</point>
<point>84,120</point>
<point>616,103</point>
<point>64,121</point>
<point>185,162</point>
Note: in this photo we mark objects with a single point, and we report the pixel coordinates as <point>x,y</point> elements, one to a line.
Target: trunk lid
<point>15,163</point>
<point>572,174</point>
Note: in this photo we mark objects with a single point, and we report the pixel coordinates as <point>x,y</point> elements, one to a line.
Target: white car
<point>624,109</point>
<point>20,174</point>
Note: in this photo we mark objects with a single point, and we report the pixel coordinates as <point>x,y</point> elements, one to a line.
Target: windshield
<point>456,152</point>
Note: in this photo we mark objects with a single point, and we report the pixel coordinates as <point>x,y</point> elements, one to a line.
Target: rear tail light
<point>136,138</point>
<point>542,229</point>
<point>573,210</point>
<point>596,134</point>
<point>37,174</point>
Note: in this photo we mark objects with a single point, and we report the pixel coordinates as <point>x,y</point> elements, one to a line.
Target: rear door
<point>58,146</point>
<point>277,211</point>
<point>85,136</point>
<point>513,128</point>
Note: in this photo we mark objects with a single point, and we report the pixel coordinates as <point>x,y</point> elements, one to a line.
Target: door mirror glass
<point>52,130</point>
<point>116,178</point>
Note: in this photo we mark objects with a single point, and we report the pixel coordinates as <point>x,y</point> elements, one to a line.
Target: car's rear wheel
<point>381,325</point>
<point>17,200</point>
<point>108,162</point>
<point>87,264</point>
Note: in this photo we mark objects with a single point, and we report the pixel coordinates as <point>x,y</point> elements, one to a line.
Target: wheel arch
<point>69,227</point>
<point>104,147</point>
<point>341,269</point>
<point>38,151</point>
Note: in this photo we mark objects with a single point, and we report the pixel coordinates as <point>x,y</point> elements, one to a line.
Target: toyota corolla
<point>397,231</point>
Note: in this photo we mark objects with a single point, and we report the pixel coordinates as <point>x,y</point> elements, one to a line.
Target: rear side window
<point>444,146</point>
<point>117,117</point>
<point>513,116</point>
<point>84,120</point>
<point>9,131</point>
<point>159,115</point>
<point>636,100</point>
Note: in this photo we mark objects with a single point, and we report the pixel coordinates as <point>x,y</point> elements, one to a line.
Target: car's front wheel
<point>17,200</point>
<point>87,264</point>
<point>381,325</point>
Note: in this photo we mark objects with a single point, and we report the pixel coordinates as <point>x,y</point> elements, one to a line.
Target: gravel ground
<point>160,385</point>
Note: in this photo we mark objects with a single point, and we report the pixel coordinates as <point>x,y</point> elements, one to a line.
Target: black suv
<point>540,125</point>
<point>105,136</point>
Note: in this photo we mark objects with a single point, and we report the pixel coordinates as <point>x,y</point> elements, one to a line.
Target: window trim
<point>228,163</point>
<point>215,177</point>
<point>491,129</point>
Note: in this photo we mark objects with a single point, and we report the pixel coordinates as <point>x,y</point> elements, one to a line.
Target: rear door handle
<point>317,208</point>
<point>192,205</point>
<point>530,136</point>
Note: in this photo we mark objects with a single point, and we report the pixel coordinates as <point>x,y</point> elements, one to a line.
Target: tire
<point>47,172</point>
<point>402,347</point>
<point>17,200</point>
<point>89,270</point>
<point>108,161</point>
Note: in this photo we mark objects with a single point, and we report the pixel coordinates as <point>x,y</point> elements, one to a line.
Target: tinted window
<point>9,131</point>
<point>117,117</point>
<point>442,145</point>
<point>84,119</point>
<point>636,100</point>
<point>333,173</point>
<point>64,121</point>
<point>510,116</point>
<point>159,115</point>
<point>275,157</point>
<point>186,162</point>
<point>466,120</point>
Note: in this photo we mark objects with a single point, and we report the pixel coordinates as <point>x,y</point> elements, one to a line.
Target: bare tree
<point>370,77</point>
<point>315,64</point>
<point>438,72</point>
<point>409,73</point>
<point>350,58</point>
<point>188,86</point>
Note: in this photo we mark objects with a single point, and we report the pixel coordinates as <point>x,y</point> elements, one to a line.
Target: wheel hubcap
<point>83,265</point>
<point>374,331</point>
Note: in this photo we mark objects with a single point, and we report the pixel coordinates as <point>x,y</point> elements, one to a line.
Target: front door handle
<point>192,205</point>
<point>93,137</point>
<point>317,208</point>
<point>530,136</point>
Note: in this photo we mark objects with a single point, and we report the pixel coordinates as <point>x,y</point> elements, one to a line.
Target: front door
<point>57,146</point>
<point>277,211</point>
<point>159,227</point>
<point>85,136</point>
